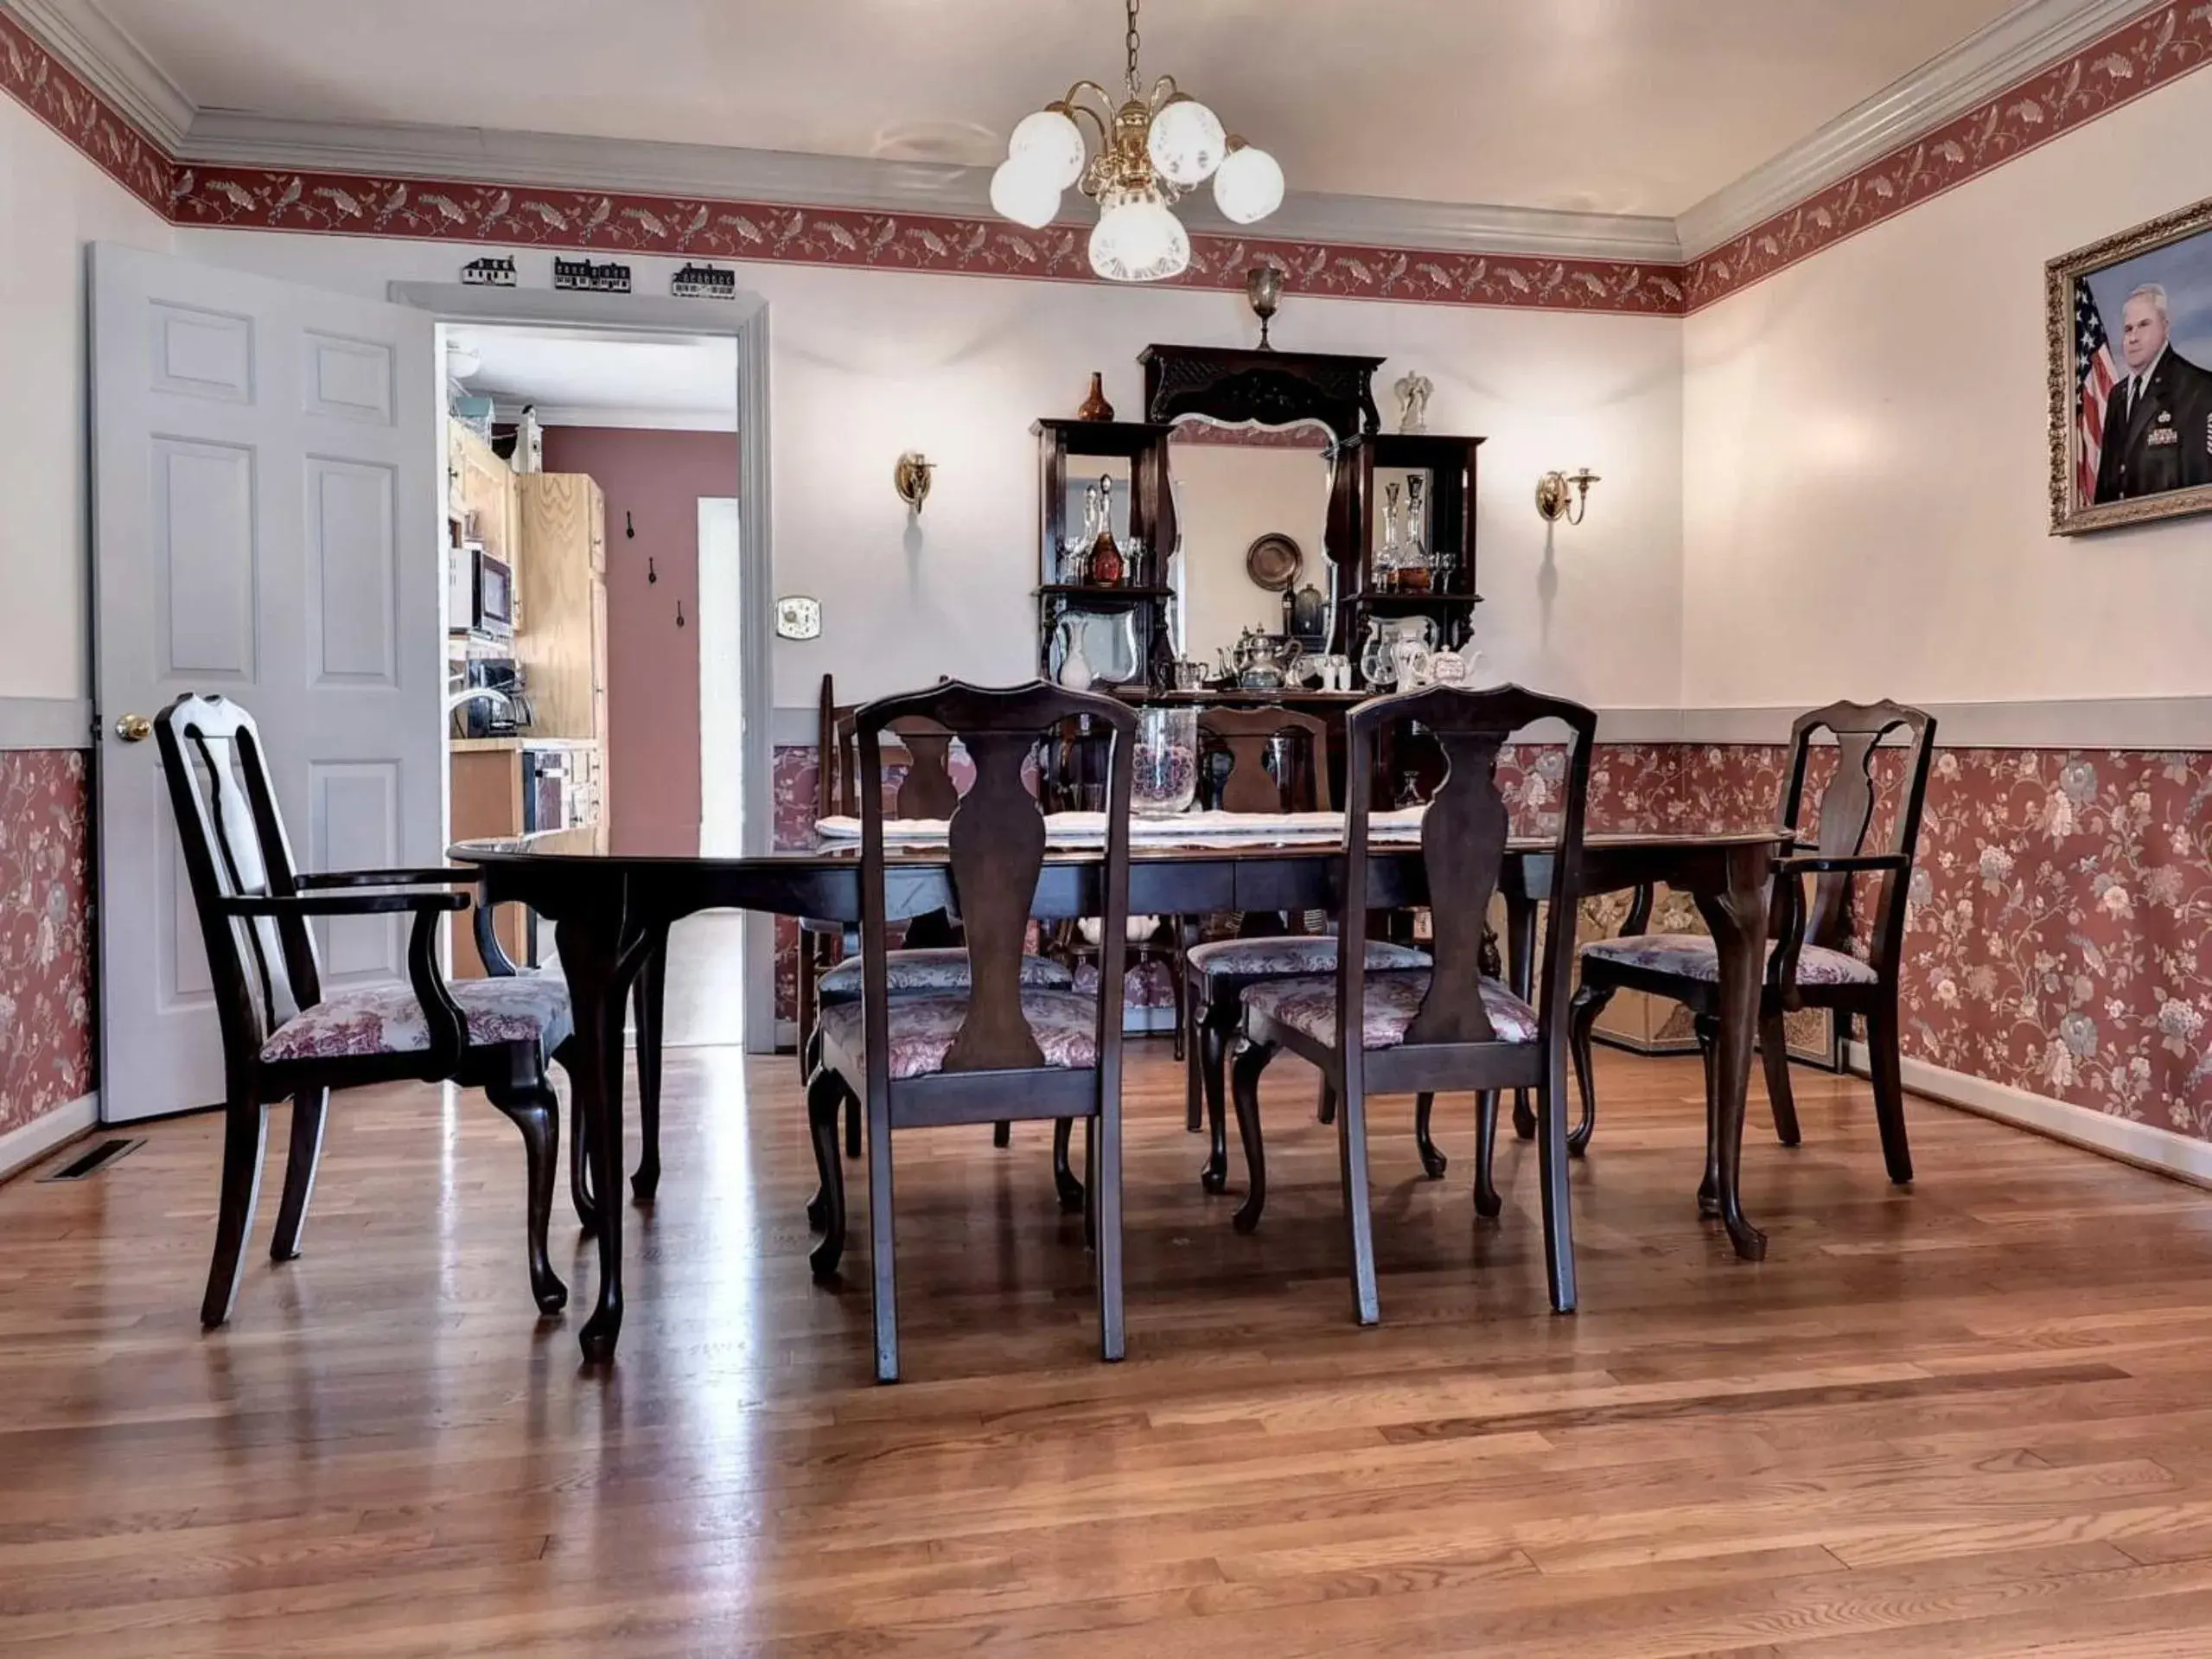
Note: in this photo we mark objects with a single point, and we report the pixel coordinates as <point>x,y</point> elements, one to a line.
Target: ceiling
<point>582,377</point>
<point>1618,106</point>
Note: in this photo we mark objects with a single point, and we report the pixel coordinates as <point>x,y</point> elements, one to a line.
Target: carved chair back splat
<point>1846,817</point>
<point>1246,735</point>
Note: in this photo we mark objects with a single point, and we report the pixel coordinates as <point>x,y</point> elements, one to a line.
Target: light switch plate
<point>798,617</point>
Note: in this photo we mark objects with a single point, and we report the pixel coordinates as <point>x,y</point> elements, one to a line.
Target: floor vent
<point>93,1162</point>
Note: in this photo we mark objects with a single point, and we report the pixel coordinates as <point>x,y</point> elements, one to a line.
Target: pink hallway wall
<point>653,482</point>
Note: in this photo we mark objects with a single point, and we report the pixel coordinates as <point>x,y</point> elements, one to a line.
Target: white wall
<point>868,364</point>
<point>1867,471</point>
<point>53,201</point>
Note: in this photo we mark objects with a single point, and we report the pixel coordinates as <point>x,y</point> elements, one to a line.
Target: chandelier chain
<point>1133,82</point>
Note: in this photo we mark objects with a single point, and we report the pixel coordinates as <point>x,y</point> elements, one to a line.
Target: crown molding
<point>230,169</point>
<point>507,410</point>
<point>2028,38</point>
<point>630,167</point>
<point>101,55</point>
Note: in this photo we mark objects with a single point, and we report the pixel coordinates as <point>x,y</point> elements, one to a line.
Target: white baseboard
<point>2143,1145</point>
<point>20,1148</point>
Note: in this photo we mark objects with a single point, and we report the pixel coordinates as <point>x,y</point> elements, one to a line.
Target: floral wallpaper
<point>2059,937</point>
<point>46,944</point>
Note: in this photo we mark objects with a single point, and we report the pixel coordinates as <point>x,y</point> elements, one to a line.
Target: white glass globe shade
<point>1024,192</point>
<point>1187,143</point>
<point>1054,142</point>
<point>1137,239</point>
<point>1248,185</point>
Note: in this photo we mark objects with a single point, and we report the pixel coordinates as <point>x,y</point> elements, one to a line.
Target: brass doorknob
<point>134,727</point>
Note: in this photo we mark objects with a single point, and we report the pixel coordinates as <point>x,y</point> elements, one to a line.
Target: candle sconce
<point>1554,491</point>
<point>911,479</point>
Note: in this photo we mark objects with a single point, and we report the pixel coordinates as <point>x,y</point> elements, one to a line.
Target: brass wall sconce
<point>1263,288</point>
<point>911,476</point>
<point>1551,495</point>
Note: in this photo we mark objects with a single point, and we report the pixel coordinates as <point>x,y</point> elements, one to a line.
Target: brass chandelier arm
<point>1072,105</point>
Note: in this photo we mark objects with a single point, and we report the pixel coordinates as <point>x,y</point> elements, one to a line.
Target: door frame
<point>746,321</point>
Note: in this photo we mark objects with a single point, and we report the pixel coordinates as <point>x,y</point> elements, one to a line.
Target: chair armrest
<point>307,904</point>
<point>447,875</point>
<point>1639,916</point>
<point>1790,922</point>
<point>441,1016</point>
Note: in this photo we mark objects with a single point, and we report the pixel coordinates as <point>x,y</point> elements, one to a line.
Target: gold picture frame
<point>2158,251</point>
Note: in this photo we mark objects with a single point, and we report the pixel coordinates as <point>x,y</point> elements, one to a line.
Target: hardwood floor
<point>1969,1420</point>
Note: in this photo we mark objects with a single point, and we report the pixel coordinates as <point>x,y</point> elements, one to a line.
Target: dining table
<point>612,904</point>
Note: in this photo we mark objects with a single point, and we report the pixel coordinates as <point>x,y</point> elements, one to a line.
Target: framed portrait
<point>2130,322</point>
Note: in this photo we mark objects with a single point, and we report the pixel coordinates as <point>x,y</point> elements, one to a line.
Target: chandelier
<point>1152,149</point>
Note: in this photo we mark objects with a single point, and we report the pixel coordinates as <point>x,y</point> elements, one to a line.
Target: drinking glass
<point>1166,758</point>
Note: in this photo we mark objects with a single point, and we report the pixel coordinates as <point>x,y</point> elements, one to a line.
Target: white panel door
<point>264,525</point>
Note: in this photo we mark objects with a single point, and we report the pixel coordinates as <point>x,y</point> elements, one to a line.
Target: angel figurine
<point>1413,392</point>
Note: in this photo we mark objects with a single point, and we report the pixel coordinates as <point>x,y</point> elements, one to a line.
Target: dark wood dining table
<point>611,912</point>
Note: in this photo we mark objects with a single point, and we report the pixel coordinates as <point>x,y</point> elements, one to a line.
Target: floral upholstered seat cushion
<point>1309,1007</point>
<point>1289,954</point>
<point>388,1019</point>
<point>1692,956</point>
<point>923,1028</point>
<point>944,970</point>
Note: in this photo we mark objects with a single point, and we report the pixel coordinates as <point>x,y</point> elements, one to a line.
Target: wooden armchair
<point>283,1036</point>
<point>1213,977</point>
<point>1448,1027</point>
<point>998,1048</point>
<point>1810,962</point>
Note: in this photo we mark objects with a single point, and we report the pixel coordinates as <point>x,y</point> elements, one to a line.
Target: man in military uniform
<point>2158,420</point>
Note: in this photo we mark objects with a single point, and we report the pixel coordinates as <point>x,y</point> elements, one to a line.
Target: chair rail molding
<point>46,722</point>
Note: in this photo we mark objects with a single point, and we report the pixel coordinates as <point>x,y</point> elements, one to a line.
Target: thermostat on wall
<point>799,618</point>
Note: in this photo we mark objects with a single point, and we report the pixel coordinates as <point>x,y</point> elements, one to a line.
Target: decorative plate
<point>1273,562</point>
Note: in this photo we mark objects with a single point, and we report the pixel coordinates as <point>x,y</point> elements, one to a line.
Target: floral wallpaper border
<point>49,89</point>
<point>2162,45</point>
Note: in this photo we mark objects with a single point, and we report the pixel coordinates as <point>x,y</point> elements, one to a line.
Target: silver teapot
<point>1263,661</point>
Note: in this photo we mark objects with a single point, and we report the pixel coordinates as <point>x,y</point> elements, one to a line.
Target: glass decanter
<point>1390,558</point>
<point>1414,573</point>
<point>1105,553</point>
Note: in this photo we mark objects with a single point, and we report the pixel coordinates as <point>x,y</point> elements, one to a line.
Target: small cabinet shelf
<point>1071,454</point>
<point>1363,466</point>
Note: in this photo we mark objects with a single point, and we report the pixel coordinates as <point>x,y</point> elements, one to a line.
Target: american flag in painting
<point>2098,374</point>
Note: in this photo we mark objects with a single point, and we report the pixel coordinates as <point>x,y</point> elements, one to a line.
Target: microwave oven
<point>480,593</point>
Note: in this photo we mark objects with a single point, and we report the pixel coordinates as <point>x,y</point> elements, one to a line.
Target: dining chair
<point>285,1037</point>
<point>822,943</point>
<point>999,1048</point>
<point>1212,976</point>
<point>1448,1025</point>
<point>931,960</point>
<point>1810,962</point>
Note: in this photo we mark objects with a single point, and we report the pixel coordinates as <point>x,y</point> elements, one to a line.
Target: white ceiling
<point>1618,106</point>
<point>579,377</point>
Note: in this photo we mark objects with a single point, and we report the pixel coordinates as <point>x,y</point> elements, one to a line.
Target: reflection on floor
<point>705,1000</point>
<point>1969,1418</point>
